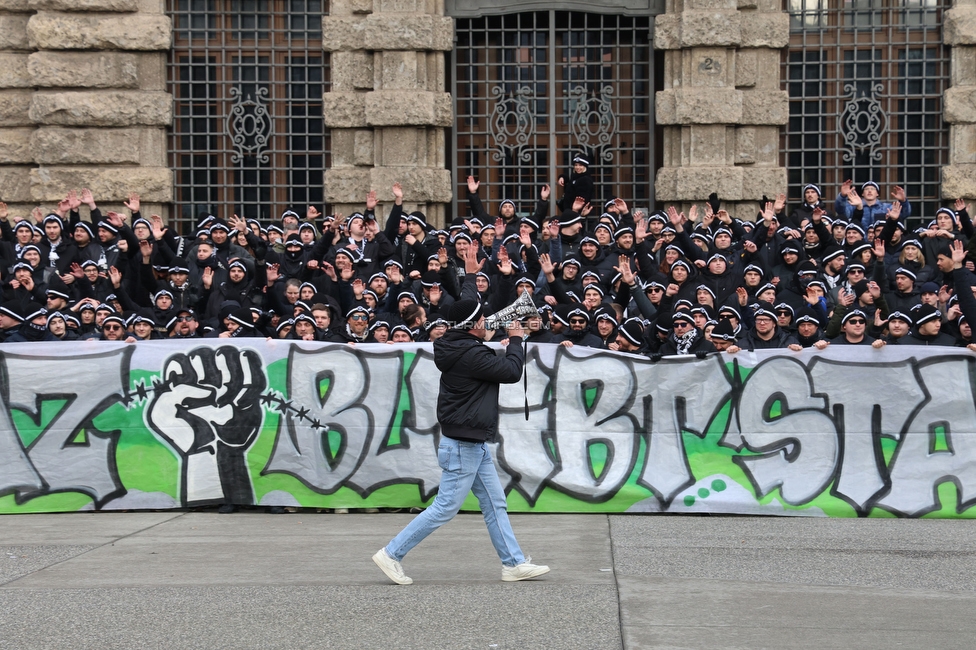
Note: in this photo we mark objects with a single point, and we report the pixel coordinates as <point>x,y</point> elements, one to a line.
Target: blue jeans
<point>466,467</point>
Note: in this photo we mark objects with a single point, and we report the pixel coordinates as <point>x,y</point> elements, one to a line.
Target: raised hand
<point>371,200</point>
<point>471,263</point>
<point>544,193</point>
<point>115,276</point>
<point>442,256</point>
<point>958,254</point>
<point>879,248</point>
<point>898,193</point>
<point>623,268</point>
<point>845,187</point>
<point>578,203</point>
<point>73,201</point>
<point>208,276</point>
<point>146,249</point>
<point>587,209</point>
<point>779,203</point>
<point>157,226</point>
<point>473,185</point>
<point>854,199</point>
<point>312,213</point>
<point>398,192</point>
<point>133,203</point>
<point>4,213</point>
<point>621,206</point>
<point>545,261</point>
<point>894,212</point>
<point>64,207</point>
<point>87,198</point>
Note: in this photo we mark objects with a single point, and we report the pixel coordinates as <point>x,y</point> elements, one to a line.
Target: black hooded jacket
<point>467,403</point>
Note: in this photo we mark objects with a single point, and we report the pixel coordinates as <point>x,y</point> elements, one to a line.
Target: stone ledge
<point>959,181</point>
<point>84,70</point>
<point>15,147</point>
<point>396,32</point>
<point>16,184</point>
<point>60,146</point>
<point>84,5</point>
<point>154,184</point>
<point>60,31</point>
<point>765,30</point>
<point>13,32</point>
<point>698,106</point>
<point>388,108</point>
<point>344,110</point>
<point>119,108</point>
<point>696,183</point>
<point>15,107</point>
<point>697,29</point>
<point>765,107</point>
<point>13,70</point>
<point>960,105</point>
<point>959,25</point>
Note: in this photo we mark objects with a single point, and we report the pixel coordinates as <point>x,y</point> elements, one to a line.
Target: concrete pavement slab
<point>694,613</point>
<point>78,528</point>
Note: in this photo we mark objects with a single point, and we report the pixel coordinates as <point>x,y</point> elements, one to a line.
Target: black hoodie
<point>467,403</point>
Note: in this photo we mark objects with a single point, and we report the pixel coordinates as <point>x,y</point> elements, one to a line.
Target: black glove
<point>701,354</point>
<point>657,356</point>
<point>714,202</point>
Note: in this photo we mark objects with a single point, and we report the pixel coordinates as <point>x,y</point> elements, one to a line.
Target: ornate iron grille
<point>865,79</point>
<point>247,77</point>
<point>534,89</point>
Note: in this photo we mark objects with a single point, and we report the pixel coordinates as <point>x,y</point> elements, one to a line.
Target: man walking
<point>467,409</point>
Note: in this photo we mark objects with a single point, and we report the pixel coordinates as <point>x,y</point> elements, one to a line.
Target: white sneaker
<point>392,568</point>
<point>523,571</point>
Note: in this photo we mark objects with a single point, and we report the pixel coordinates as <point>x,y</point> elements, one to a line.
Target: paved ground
<point>254,580</point>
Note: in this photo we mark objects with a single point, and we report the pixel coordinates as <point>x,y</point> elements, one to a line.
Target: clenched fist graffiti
<point>208,409</point>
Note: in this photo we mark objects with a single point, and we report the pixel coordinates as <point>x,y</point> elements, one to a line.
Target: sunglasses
<point>359,317</point>
<point>185,319</point>
<point>577,321</point>
<point>656,289</point>
<point>112,328</point>
<point>682,323</point>
<point>857,321</point>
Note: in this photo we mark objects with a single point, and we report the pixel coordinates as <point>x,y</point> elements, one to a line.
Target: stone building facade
<point>84,100</point>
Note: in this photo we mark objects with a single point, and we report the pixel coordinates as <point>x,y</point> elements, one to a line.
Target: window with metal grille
<point>247,77</point>
<point>534,89</point>
<point>865,80</point>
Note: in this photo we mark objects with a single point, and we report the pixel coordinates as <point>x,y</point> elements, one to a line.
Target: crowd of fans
<point>665,283</point>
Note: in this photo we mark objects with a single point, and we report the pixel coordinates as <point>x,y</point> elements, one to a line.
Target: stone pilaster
<point>959,176</point>
<point>388,109</point>
<point>722,106</point>
<point>84,102</point>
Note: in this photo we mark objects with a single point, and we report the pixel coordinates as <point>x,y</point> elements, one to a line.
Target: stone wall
<point>83,102</point>
<point>722,106</point>
<point>959,32</point>
<point>387,108</point>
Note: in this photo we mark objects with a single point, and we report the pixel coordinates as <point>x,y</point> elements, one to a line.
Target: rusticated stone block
<point>960,105</point>
<point>402,147</point>
<point>400,6</point>
<point>363,147</point>
<point>15,107</point>
<point>394,32</point>
<point>347,184</point>
<point>963,72</point>
<point>154,184</point>
<point>15,148</point>
<point>765,107</point>
<point>344,110</point>
<point>757,181</point>
<point>387,108</point>
<point>746,68</point>
<point>83,70</point>
<point>706,145</point>
<point>962,150</point>
<point>420,185</point>
<point>118,108</point>
<point>667,32</point>
<point>13,32</point>
<point>959,181</point>
<point>14,5</point>
<point>959,27</point>
<point>13,70</point>
<point>745,146</point>
<point>350,7</point>
<point>710,28</point>
<point>399,71</point>
<point>710,5</point>
<point>765,30</point>
<point>16,185</point>
<point>744,210</point>
<point>352,71</point>
<point>50,31</point>
<point>84,5</point>
<point>60,146</point>
<point>696,183</point>
<point>699,106</point>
